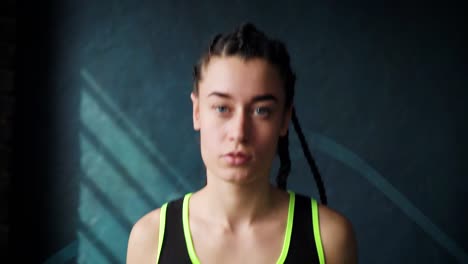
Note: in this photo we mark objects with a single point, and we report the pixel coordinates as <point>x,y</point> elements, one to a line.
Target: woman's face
<point>239,111</point>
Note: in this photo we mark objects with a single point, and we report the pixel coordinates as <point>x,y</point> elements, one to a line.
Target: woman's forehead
<point>238,77</point>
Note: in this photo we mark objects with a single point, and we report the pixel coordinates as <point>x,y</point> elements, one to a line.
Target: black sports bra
<point>302,242</point>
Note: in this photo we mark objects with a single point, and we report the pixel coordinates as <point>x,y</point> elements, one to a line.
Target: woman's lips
<point>237,159</point>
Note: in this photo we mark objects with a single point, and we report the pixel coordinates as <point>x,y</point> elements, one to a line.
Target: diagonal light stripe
<point>347,157</point>
<point>136,133</point>
<point>115,163</point>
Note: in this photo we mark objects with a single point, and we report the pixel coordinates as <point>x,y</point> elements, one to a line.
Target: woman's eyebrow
<point>265,97</point>
<point>223,95</point>
<point>258,98</point>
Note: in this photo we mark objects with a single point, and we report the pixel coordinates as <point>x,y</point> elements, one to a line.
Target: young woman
<point>242,105</point>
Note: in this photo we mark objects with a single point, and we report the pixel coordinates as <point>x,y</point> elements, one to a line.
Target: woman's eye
<point>263,111</point>
<point>220,108</point>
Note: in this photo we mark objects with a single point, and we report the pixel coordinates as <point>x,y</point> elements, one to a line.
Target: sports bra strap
<point>316,227</point>
<point>162,227</point>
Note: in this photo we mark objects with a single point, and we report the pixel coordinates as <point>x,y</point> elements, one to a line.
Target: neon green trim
<point>315,224</point>
<point>162,227</point>
<point>289,225</point>
<point>187,233</point>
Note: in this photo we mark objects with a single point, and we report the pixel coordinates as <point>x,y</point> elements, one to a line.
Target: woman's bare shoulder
<point>338,237</point>
<point>143,240</point>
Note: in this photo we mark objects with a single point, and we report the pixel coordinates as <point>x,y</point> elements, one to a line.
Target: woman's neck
<point>234,206</point>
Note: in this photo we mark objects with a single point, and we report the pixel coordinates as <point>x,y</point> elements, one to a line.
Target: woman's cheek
<point>209,134</point>
<point>268,142</point>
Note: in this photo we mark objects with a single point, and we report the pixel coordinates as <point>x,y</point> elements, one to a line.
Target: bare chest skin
<point>260,241</point>
<point>260,244</point>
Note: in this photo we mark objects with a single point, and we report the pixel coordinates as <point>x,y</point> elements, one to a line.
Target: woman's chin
<point>234,175</point>
<point>238,177</point>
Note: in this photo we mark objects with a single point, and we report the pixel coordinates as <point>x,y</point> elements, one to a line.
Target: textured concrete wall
<point>381,96</point>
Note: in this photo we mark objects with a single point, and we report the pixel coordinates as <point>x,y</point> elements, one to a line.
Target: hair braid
<point>285,162</point>
<point>310,159</point>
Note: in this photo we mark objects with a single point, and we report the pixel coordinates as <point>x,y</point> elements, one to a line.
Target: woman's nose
<point>239,131</point>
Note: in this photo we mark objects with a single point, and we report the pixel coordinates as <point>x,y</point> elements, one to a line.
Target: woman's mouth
<point>237,159</point>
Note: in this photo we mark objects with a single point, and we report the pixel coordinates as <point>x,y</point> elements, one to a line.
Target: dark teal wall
<point>381,96</point>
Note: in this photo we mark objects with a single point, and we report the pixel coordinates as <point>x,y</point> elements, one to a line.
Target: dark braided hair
<point>248,42</point>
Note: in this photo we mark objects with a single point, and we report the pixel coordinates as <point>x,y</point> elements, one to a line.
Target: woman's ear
<point>285,121</point>
<point>196,111</point>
